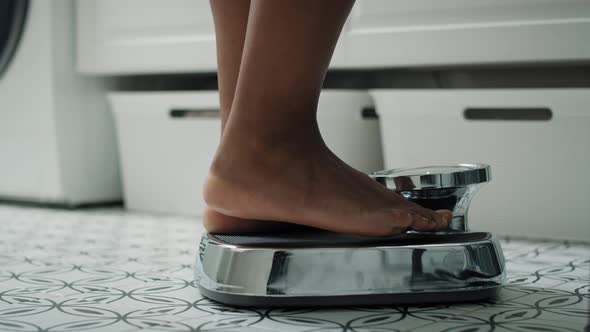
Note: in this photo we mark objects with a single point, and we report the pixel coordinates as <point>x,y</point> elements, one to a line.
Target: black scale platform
<point>323,239</point>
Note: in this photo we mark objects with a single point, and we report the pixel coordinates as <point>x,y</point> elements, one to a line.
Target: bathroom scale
<point>311,267</point>
<point>319,268</point>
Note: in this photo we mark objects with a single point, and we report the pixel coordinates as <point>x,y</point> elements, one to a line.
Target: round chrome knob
<point>439,187</point>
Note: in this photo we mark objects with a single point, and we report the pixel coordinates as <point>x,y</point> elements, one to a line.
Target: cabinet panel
<point>143,36</point>
<point>149,36</point>
<point>423,13</point>
<point>431,32</point>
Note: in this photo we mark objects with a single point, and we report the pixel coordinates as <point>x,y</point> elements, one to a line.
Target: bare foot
<point>294,178</point>
<point>216,222</point>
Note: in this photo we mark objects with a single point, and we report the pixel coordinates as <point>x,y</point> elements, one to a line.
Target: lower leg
<point>288,47</point>
<point>230,18</point>
<point>272,163</point>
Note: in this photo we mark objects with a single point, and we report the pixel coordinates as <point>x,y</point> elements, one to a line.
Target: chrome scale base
<point>317,268</point>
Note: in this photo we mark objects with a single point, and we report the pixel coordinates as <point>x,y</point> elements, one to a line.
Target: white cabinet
<point>536,141</point>
<point>145,36</point>
<point>148,36</point>
<point>434,32</point>
<point>167,141</point>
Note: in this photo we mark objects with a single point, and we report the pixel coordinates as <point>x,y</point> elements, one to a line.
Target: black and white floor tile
<point>107,270</point>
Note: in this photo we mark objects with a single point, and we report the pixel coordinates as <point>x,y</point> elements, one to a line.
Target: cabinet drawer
<point>145,36</point>
<point>166,36</point>
<point>536,141</point>
<point>167,141</point>
<point>431,32</point>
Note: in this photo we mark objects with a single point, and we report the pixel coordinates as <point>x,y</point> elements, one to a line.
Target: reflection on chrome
<point>439,187</point>
<point>460,261</point>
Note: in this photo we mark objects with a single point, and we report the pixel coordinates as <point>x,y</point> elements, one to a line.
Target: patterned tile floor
<point>107,270</point>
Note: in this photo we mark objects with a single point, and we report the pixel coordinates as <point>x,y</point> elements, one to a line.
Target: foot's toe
<point>402,218</point>
<point>386,222</point>
<point>429,220</point>
<point>423,223</point>
<point>447,216</point>
<point>440,220</point>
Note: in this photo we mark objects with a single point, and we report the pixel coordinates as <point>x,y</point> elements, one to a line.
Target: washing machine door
<point>13,14</point>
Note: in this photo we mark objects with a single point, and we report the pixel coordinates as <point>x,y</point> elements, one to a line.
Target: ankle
<point>266,112</point>
<point>261,151</point>
<point>266,136</point>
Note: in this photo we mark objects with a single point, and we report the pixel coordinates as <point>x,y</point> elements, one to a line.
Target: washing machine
<point>57,138</point>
